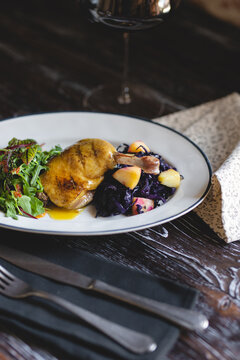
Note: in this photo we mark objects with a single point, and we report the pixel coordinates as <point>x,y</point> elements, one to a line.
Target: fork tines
<point>5,277</point>
<point>6,273</point>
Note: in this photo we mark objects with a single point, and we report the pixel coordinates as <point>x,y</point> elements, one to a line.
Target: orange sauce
<point>57,213</point>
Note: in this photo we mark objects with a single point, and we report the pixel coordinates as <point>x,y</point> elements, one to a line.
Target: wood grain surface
<point>50,57</point>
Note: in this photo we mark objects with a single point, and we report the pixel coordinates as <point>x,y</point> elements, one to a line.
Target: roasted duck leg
<point>73,175</point>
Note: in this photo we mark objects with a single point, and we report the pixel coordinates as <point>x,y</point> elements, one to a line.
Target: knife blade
<point>185,318</point>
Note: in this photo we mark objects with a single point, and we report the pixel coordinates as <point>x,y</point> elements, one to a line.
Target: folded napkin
<point>60,332</point>
<point>215,127</point>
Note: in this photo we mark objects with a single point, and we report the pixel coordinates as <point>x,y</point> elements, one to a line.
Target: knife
<point>185,318</point>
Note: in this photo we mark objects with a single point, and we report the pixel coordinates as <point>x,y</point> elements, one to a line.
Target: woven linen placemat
<point>215,128</point>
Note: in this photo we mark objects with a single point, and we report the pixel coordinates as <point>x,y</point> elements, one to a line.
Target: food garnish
<point>21,191</point>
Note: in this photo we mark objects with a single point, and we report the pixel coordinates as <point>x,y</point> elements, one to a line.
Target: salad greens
<point>21,163</point>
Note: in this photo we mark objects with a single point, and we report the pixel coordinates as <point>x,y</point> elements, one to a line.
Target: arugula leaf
<point>25,203</point>
<point>11,208</point>
<point>31,205</point>
<point>36,206</point>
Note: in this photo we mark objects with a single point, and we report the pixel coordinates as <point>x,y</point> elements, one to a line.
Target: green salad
<point>21,191</point>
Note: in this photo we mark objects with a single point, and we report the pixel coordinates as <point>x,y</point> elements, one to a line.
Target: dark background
<point>51,51</point>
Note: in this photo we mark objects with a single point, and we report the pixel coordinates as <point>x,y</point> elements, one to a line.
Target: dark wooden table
<point>50,56</point>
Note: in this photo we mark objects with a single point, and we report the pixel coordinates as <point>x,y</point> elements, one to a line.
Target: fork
<point>133,341</point>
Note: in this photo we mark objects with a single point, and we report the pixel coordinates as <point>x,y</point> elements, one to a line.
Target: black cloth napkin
<point>55,329</point>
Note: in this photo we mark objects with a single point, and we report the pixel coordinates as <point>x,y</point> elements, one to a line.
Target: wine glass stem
<point>125,97</point>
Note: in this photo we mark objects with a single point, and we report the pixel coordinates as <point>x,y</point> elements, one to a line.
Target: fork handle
<point>136,342</point>
<point>185,318</point>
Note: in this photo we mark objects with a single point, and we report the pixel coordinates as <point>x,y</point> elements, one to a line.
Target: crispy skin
<point>77,171</point>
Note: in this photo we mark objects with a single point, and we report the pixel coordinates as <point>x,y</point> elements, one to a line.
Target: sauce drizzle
<point>58,213</point>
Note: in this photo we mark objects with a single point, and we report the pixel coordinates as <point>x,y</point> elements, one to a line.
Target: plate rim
<point>122,230</point>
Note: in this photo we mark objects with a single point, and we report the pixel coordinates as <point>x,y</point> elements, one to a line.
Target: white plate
<point>66,128</point>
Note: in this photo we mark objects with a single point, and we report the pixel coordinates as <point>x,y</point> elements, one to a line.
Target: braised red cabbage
<point>113,198</point>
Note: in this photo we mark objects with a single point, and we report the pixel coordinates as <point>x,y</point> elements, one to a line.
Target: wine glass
<point>128,16</point>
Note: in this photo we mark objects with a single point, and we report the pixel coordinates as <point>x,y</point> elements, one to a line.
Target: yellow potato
<point>170,178</point>
<point>128,176</point>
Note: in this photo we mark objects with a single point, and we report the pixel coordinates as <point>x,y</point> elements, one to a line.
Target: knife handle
<point>185,318</point>
<point>132,340</point>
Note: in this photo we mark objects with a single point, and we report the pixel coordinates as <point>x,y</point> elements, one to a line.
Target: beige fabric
<point>215,127</point>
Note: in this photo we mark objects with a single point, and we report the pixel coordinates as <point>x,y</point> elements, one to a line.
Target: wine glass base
<point>145,102</point>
